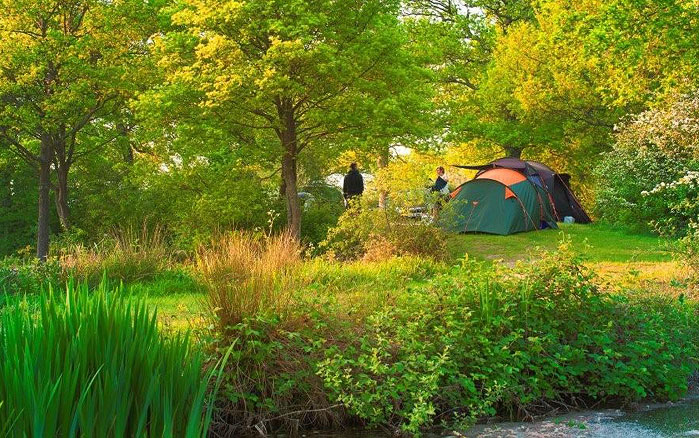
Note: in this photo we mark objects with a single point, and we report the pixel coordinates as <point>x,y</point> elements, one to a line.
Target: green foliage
<point>475,342</point>
<point>622,38</point>
<point>282,78</point>
<point>17,205</point>
<point>651,178</point>
<point>93,363</point>
<point>687,250</point>
<point>622,177</point>
<point>272,368</point>
<point>321,212</point>
<point>67,69</point>
<point>377,234</point>
<point>20,276</point>
<point>270,377</point>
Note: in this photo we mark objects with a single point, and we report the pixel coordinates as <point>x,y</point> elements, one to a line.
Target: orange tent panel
<point>509,193</point>
<point>506,176</point>
<point>455,192</point>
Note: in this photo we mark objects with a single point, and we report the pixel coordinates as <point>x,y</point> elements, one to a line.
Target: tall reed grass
<point>128,254</point>
<point>246,274</point>
<point>93,364</point>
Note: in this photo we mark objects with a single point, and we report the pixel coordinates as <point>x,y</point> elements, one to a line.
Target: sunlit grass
<point>597,243</point>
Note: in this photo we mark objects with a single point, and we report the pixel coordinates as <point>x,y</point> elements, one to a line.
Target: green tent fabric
<point>489,206</point>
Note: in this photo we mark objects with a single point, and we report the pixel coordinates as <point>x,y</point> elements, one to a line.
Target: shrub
<point>20,276</point>
<point>271,382</point>
<point>649,179</point>
<point>480,341</point>
<point>93,363</point>
<point>688,252</point>
<point>681,197</point>
<point>404,343</point>
<point>246,274</point>
<point>320,212</point>
<point>377,234</point>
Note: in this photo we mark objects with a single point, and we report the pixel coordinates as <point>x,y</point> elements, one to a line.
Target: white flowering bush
<point>651,177</point>
<point>682,198</point>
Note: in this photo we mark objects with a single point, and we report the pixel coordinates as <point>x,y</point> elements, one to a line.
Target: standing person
<point>441,183</point>
<point>353,185</point>
<point>441,187</point>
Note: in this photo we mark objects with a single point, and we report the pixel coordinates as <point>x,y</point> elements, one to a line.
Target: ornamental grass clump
<point>94,364</point>
<point>129,254</point>
<point>247,274</point>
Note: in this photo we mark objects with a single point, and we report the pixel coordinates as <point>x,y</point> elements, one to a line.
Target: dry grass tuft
<point>128,254</point>
<point>246,275</point>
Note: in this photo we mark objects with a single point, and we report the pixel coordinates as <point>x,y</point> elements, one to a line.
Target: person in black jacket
<point>353,185</point>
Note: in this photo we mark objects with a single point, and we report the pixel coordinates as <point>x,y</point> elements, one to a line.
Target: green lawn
<point>598,243</point>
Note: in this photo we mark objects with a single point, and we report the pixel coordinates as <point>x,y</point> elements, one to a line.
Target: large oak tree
<point>292,76</point>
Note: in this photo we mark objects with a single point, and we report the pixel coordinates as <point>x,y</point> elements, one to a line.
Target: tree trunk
<point>289,175</point>
<point>513,151</point>
<point>62,196</point>
<point>45,157</point>
<point>293,206</point>
<point>381,162</point>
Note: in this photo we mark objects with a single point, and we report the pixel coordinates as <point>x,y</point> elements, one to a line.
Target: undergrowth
<point>476,340</point>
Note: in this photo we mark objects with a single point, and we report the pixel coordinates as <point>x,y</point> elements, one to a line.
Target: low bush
<point>480,342</point>
<point>26,276</point>
<point>688,252</point>
<point>271,381</point>
<point>379,234</point>
<point>320,212</point>
<point>93,363</point>
<point>650,180</point>
<point>476,340</point>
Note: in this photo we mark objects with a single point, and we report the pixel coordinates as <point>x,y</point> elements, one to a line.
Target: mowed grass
<point>621,259</point>
<point>597,243</point>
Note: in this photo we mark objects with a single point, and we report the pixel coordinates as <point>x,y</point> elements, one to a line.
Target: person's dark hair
<point>440,169</point>
<point>353,166</point>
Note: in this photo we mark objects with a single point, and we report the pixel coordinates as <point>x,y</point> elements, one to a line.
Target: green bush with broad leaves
<point>94,364</point>
<point>321,211</point>
<point>378,234</point>
<point>650,180</point>
<point>479,342</point>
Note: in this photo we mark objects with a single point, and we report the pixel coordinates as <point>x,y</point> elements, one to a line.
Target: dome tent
<point>511,195</point>
<point>498,201</point>
<point>557,185</point>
